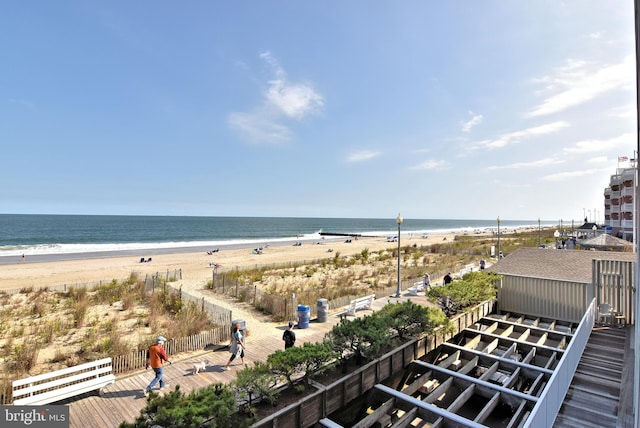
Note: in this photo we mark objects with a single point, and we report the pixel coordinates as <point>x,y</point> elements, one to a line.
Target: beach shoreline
<point>196,265</point>
<point>194,262</point>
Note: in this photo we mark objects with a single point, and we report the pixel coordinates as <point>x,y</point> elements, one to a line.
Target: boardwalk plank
<point>124,400</point>
<point>593,399</point>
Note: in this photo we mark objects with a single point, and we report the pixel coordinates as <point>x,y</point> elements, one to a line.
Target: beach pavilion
<point>606,242</point>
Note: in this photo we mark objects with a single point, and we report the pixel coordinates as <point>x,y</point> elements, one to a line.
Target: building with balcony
<point>619,203</point>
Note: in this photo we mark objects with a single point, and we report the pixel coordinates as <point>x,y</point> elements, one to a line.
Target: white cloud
<point>23,103</point>
<point>475,120</point>
<point>282,100</point>
<point>625,112</point>
<point>588,146</point>
<point>598,159</point>
<point>362,155</point>
<point>295,100</point>
<point>579,82</point>
<point>430,164</point>
<point>561,176</point>
<point>258,128</point>
<point>534,164</point>
<point>515,137</point>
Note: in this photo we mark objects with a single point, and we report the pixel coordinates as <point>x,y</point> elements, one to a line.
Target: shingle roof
<point>566,265</point>
<point>605,241</point>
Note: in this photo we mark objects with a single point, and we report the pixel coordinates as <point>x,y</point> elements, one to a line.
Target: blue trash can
<point>304,312</point>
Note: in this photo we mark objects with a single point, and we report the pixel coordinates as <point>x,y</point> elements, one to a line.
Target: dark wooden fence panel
<point>341,392</point>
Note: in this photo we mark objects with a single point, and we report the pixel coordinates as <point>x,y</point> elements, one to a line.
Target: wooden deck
<point>123,400</point>
<point>601,391</point>
<point>599,396</point>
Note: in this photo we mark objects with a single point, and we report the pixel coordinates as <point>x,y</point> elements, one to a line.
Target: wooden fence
<point>137,359</point>
<point>284,308</point>
<point>151,281</point>
<point>327,399</point>
<point>158,279</point>
<point>217,314</point>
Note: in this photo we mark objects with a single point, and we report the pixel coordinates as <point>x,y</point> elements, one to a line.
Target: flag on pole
<point>623,158</point>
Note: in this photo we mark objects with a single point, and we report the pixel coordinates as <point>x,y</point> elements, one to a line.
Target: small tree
<point>213,406</point>
<point>302,362</point>
<point>472,289</point>
<point>257,382</point>
<point>365,335</point>
<point>408,318</point>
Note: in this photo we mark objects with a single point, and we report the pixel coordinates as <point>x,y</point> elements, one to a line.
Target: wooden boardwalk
<point>123,400</point>
<point>601,391</point>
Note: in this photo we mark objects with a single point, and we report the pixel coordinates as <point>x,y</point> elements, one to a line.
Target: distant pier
<point>351,235</point>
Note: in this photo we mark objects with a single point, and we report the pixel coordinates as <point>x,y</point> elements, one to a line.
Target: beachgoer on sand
<point>426,282</point>
<point>237,344</point>
<point>289,336</point>
<point>156,354</point>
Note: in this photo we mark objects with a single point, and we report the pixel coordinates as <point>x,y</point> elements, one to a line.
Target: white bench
<point>360,303</point>
<point>468,268</point>
<point>418,287</point>
<point>65,383</point>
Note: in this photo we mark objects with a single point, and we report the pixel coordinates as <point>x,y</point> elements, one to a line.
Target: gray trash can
<point>323,310</point>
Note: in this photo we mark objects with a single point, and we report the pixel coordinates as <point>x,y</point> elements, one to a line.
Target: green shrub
<point>256,383</point>
<point>364,335</point>
<point>212,406</point>
<point>303,362</point>
<point>408,318</point>
<point>474,288</point>
<point>24,356</point>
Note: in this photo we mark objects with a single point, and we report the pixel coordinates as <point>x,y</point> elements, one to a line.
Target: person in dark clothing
<point>289,336</point>
<point>447,279</point>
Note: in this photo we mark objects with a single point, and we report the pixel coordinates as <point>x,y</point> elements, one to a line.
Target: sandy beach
<point>196,266</point>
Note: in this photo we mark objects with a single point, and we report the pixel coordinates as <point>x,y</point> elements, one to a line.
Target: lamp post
<point>399,221</point>
<point>538,231</point>
<point>498,237</point>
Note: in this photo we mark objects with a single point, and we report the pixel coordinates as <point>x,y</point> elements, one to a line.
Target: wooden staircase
<point>594,398</point>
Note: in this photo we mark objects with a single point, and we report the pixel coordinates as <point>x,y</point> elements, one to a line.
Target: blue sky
<point>457,109</point>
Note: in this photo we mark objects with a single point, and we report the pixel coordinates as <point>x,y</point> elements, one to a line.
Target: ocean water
<point>81,234</point>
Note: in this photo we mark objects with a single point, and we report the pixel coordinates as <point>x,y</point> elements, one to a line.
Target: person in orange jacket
<point>155,357</point>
